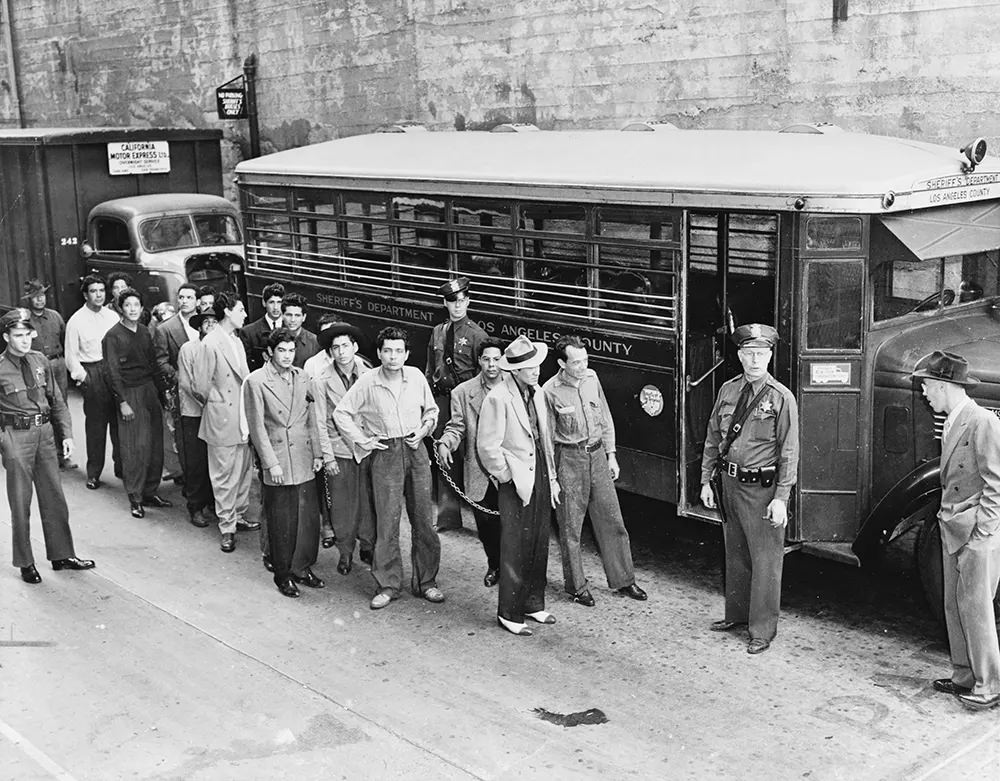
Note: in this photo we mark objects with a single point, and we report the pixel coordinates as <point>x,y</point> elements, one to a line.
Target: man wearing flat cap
<point>451,360</point>
<point>50,330</point>
<point>753,441</point>
<point>969,520</point>
<point>31,406</point>
<point>515,447</point>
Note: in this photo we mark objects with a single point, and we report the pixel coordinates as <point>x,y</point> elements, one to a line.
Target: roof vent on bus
<point>514,127</point>
<point>816,128</point>
<point>406,126</point>
<point>648,125</point>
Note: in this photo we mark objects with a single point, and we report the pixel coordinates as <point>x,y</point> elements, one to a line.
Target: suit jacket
<point>254,338</point>
<point>187,367</point>
<point>219,375</point>
<point>970,477</point>
<point>466,405</point>
<point>167,340</point>
<point>281,418</point>
<point>505,443</point>
<point>306,346</point>
<point>328,389</point>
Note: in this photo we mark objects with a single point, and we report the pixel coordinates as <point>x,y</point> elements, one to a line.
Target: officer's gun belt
<point>23,422</point>
<point>763,475</point>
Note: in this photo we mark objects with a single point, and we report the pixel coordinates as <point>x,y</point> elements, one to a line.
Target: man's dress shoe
<point>30,575</point>
<point>228,542</point>
<point>979,701</point>
<point>287,588</point>
<point>584,598</point>
<point>66,466</point>
<point>198,519</point>
<point>725,625</point>
<point>367,556</point>
<point>513,627</point>
<point>138,511</point>
<point>541,617</point>
<point>156,501</point>
<point>344,567</point>
<point>309,579</point>
<point>247,526</point>
<point>381,600</point>
<point>948,686</point>
<point>93,483</point>
<point>266,560</point>
<point>329,542</point>
<point>757,646</point>
<point>72,563</point>
<point>491,578</point>
<point>634,592</point>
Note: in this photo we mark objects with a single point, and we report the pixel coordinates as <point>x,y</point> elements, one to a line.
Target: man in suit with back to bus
<point>969,520</point>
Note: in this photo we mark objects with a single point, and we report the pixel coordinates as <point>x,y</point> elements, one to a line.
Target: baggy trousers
<point>488,527</point>
<point>141,442</point>
<point>29,457</point>
<point>971,575</point>
<point>585,480</point>
<point>292,528</point>
<point>100,414</point>
<point>197,483</point>
<point>229,469</point>
<point>755,555</point>
<point>352,516</point>
<point>401,474</point>
<point>524,547</point>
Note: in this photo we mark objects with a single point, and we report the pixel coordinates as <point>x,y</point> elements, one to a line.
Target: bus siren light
<point>974,152</point>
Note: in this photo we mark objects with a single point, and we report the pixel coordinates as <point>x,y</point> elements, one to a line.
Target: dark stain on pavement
<point>589,716</point>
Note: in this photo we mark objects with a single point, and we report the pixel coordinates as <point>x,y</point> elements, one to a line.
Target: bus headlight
<point>651,400</point>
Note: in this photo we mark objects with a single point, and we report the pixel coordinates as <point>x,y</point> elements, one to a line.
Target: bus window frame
<point>807,267</point>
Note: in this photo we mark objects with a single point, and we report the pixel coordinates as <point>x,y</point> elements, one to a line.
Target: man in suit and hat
<point>31,406</point>
<point>281,418</point>
<point>451,360</point>
<point>50,341</point>
<point>333,371</point>
<point>255,334</point>
<point>753,439</point>
<point>969,520</point>
<point>515,446</point>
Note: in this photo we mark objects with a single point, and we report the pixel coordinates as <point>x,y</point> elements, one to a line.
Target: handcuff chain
<point>444,472</point>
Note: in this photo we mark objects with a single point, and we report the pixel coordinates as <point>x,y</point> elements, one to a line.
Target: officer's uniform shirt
<point>580,411</point>
<point>468,337</point>
<point>764,440</point>
<point>51,332</point>
<point>17,397</point>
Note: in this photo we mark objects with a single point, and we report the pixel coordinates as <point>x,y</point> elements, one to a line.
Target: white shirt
<point>192,334</point>
<point>84,332</point>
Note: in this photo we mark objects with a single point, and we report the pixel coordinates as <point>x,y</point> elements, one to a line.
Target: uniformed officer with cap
<point>753,440</point>
<point>451,360</point>
<point>29,401</point>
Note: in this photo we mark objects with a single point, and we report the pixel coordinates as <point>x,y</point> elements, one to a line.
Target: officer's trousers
<point>755,555</point>
<point>29,457</point>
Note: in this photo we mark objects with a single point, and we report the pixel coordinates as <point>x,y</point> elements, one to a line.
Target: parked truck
<point>76,200</point>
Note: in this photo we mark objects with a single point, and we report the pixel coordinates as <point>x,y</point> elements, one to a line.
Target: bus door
<point>832,294</point>
<point>729,278</point>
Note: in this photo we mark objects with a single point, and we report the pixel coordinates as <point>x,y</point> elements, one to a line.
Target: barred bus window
<point>367,241</point>
<point>555,268</point>
<point>484,249</point>
<point>423,252</point>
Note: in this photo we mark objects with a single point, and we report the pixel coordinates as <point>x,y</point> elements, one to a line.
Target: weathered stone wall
<point>926,69</point>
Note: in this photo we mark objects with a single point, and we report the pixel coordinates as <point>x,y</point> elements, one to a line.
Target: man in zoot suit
<point>515,446</point>
<point>254,335</point>
<point>584,436</point>
<point>757,475</point>
<point>50,341</point>
<point>451,360</point>
<point>31,406</point>
<point>281,419</point>
<point>969,520</point>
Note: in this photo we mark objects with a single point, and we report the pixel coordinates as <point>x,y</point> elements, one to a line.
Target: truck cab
<point>164,240</point>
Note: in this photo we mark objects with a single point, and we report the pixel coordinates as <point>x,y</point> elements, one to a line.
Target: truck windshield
<point>176,232</point>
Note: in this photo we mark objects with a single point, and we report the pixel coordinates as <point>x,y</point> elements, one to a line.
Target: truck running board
<point>835,551</point>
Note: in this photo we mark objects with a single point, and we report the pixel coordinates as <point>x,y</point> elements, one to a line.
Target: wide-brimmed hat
<point>331,331</point>
<point>523,353</point>
<point>34,287</point>
<point>196,320</point>
<point>944,366</point>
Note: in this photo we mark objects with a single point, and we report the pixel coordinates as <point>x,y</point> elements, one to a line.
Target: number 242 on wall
<point>68,241</point>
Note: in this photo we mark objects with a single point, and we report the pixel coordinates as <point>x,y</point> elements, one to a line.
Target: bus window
<point>484,248</point>
<point>556,258</point>
<point>834,234</point>
<point>269,237</point>
<point>367,241</point>
<point>423,252</point>
<point>833,296</point>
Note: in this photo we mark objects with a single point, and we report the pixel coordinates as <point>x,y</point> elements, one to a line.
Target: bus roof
<point>833,171</point>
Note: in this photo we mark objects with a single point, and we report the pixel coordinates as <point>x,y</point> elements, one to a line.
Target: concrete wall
<point>926,69</point>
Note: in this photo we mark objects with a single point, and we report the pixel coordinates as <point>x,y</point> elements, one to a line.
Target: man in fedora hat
<point>350,517</point>
<point>753,440</point>
<point>451,360</point>
<point>515,447</point>
<point>50,339</point>
<point>969,520</point>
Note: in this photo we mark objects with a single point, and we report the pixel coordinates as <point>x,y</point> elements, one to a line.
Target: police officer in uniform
<point>451,360</point>
<point>758,462</point>
<point>29,401</point>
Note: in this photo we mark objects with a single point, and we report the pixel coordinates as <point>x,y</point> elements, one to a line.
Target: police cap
<point>15,318</point>
<point>453,288</point>
<point>755,335</point>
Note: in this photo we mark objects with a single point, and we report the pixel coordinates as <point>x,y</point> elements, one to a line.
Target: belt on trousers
<point>23,422</point>
<point>582,446</point>
<point>763,475</point>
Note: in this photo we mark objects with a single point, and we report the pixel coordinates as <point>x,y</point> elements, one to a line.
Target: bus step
<point>835,551</point>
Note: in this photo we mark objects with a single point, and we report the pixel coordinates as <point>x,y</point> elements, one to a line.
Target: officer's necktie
<point>449,346</point>
<point>741,403</point>
<point>26,373</point>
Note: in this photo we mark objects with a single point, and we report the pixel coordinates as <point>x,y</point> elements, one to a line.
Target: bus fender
<point>901,501</point>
